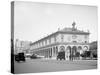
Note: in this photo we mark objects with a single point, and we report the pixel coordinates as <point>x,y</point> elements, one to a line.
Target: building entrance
<point>68,53</point>
<point>61,53</point>
<point>73,53</point>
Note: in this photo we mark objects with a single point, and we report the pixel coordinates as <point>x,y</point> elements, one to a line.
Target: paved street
<point>33,66</point>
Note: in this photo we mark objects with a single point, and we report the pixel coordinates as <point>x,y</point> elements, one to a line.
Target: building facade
<point>68,40</point>
<point>22,46</point>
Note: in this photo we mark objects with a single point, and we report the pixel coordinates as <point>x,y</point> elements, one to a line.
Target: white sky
<point>33,21</point>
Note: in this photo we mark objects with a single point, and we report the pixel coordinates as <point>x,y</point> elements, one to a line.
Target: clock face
<point>74,36</point>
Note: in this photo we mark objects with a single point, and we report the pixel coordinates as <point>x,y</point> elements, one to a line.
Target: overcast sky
<point>33,21</point>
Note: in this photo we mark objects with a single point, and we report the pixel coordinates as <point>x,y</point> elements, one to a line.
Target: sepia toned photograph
<point>52,37</point>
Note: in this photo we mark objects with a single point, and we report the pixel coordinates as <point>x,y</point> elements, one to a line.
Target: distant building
<point>67,39</point>
<point>22,46</point>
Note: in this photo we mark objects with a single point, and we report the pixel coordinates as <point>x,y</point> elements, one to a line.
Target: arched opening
<point>53,51</point>
<point>79,47</point>
<point>74,49</point>
<point>85,48</point>
<point>73,53</point>
<point>61,53</point>
<point>86,53</point>
<point>69,49</point>
<point>68,53</point>
<point>62,48</point>
<point>79,52</point>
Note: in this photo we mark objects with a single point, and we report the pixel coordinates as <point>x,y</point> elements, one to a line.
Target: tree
<point>93,45</point>
<point>93,49</point>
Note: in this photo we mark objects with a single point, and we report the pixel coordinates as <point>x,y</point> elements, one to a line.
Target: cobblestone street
<point>34,66</point>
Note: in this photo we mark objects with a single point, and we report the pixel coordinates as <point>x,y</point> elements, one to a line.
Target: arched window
<point>85,48</point>
<point>62,48</point>
<point>74,49</point>
<point>68,48</point>
<point>74,41</point>
<point>79,47</point>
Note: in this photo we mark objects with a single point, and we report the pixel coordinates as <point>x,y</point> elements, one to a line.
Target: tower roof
<point>73,31</point>
<point>66,30</point>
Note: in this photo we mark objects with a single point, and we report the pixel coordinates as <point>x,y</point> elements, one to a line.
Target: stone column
<point>44,53</point>
<point>52,52</point>
<point>47,53</point>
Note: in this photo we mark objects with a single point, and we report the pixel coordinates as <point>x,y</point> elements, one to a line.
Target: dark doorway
<point>69,52</point>
<point>73,53</point>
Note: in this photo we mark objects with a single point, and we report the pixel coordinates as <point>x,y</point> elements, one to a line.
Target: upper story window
<point>55,39</point>
<point>85,41</point>
<point>74,36</point>
<point>62,37</point>
<point>45,42</point>
<point>42,43</point>
<point>86,36</point>
<point>39,44</point>
<point>68,38</point>
<point>35,45</point>
<point>50,41</point>
<point>74,41</point>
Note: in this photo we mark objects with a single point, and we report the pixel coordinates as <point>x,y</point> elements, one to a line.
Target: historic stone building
<point>21,46</point>
<point>67,39</point>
